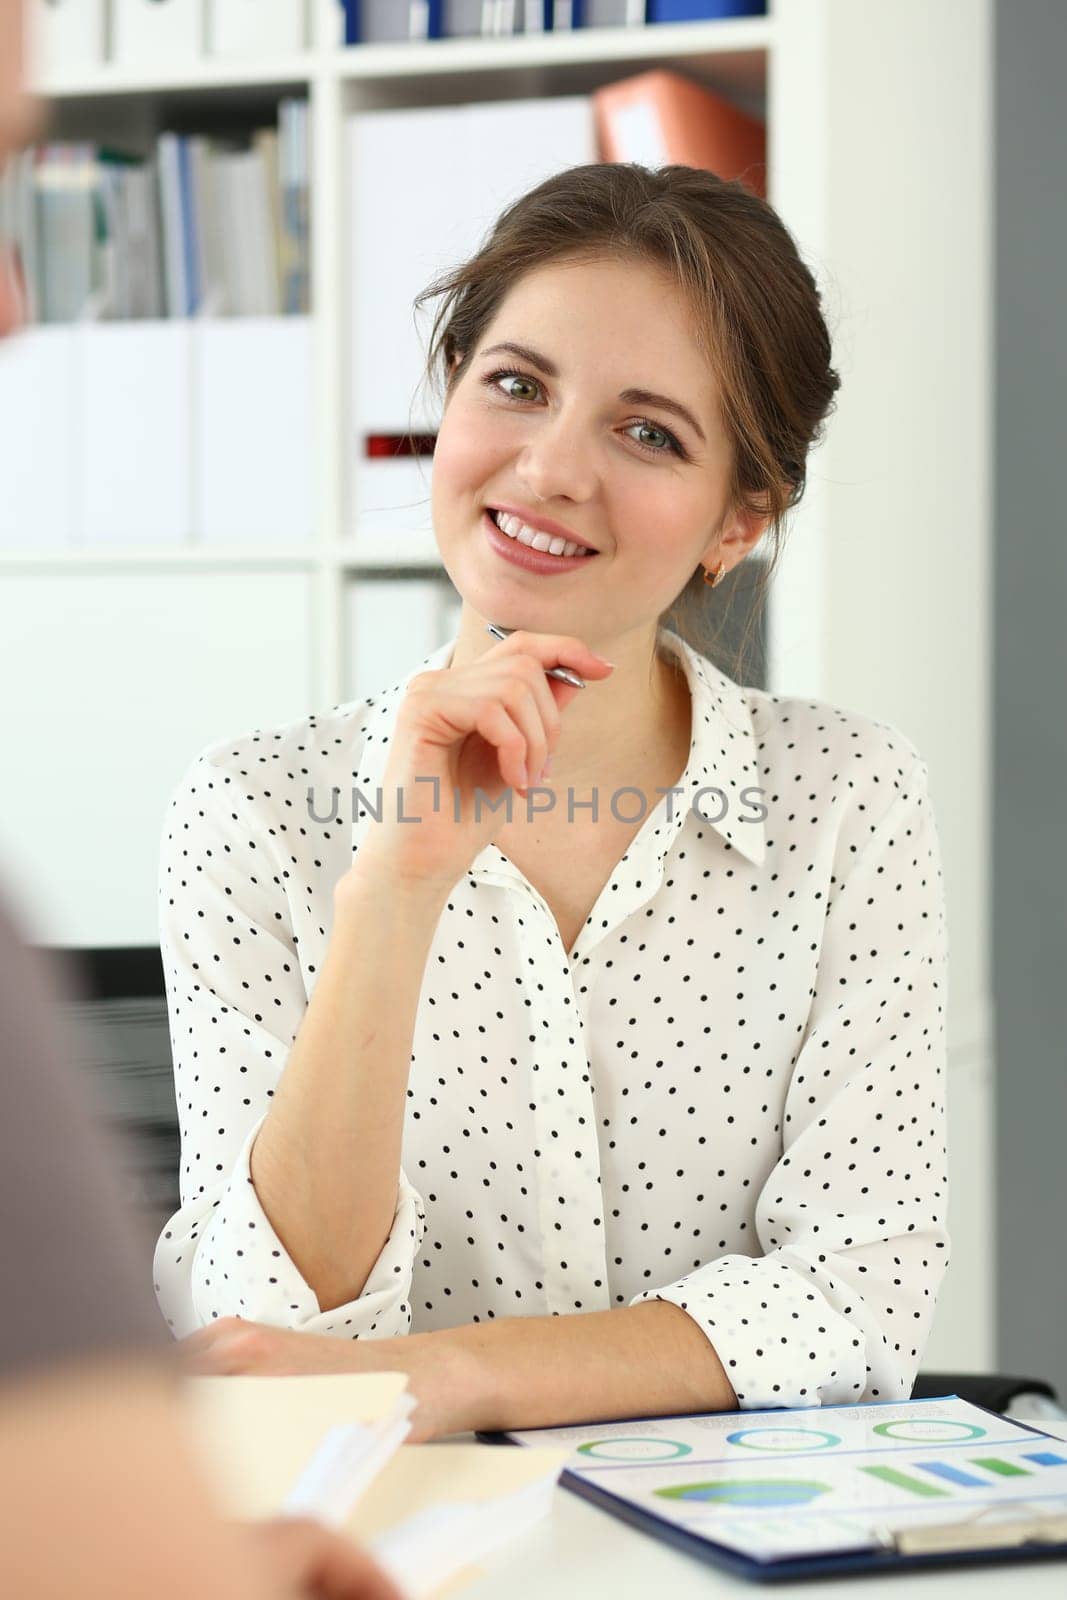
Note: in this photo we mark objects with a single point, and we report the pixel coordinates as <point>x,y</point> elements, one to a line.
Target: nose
<point>559,461</point>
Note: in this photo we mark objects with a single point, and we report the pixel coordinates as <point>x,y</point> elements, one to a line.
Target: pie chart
<point>748,1492</point>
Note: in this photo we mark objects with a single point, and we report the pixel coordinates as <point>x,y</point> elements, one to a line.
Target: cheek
<point>465,456</point>
<point>459,453</point>
<point>652,502</point>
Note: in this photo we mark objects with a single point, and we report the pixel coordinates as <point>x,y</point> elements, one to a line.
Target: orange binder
<point>660,118</point>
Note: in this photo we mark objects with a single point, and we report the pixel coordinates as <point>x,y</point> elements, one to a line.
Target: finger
<point>527,696</point>
<point>520,698</point>
<point>551,697</point>
<point>555,650</point>
<point>497,727</point>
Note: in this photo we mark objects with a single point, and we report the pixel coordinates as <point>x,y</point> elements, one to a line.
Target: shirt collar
<point>722,758</point>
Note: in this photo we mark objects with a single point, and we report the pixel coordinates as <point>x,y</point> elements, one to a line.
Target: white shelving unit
<point>730,55</point>
<point>880,137</point>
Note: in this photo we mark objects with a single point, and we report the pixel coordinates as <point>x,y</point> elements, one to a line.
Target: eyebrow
<point>632,397</point>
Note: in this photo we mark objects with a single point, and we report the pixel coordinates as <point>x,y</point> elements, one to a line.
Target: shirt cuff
<point>238,1267</point>
<point>779,1341</point>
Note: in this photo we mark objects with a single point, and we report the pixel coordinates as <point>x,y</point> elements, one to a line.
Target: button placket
<point>569,1194</point>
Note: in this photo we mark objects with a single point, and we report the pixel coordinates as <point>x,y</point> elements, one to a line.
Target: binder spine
<point>189,242</point>
<point>703,10</point>
<point>613,14</point>
<point>567,14</point>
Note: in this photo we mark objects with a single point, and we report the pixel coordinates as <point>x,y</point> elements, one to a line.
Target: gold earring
<point>715,579</point>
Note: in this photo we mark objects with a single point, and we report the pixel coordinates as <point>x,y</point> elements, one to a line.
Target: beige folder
<point>256,1436</point>
<point>429,1514</point>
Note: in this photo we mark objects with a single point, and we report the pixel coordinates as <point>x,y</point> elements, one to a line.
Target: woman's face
<point>560,431</point>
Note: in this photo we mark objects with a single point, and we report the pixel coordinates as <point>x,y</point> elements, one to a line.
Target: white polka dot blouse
<point>729,1094</point>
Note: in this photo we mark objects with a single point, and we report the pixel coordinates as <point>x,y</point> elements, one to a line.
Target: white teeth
<point>516,529</point>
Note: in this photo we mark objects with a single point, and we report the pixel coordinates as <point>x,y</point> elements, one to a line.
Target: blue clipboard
<point>843,1562</point>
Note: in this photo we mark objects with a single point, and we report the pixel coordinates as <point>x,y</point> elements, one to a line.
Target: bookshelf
<point>880,136</point>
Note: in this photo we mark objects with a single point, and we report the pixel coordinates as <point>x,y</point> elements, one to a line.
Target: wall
<point>1030,675</point>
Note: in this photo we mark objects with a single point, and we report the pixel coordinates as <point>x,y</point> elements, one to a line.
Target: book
<point>197,227</point>
<point>265,144</point>
<point>176,285</point>
<point>613,14</point>
<point>68,225</point>
<point>293,179</point>
<point>798,1491</point>
<point>461,19</point>
<point>701,10</point>
<point>660,118</point>
<point>379,21</point>
<point>534,16</point>
<point>566,14</point>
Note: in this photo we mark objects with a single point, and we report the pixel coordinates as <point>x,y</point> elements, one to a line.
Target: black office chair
<point>996,1391</point>
<point>122,1039</point>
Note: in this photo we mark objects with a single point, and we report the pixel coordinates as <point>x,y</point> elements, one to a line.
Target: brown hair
<point>758,315</point>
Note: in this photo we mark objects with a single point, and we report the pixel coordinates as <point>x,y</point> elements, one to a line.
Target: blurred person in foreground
<point>99,1494</point>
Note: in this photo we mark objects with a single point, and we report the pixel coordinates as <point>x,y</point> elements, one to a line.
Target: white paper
<point>348,1459</point>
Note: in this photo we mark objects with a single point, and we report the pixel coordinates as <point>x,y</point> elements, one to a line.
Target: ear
<point>740,534</point>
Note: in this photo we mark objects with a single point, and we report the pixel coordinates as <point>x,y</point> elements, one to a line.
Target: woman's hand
<point>442,1378</point>
<point>481,727</point>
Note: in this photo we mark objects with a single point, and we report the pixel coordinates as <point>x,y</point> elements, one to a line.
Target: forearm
<point>326,1162</point>
<point>637,1361</point>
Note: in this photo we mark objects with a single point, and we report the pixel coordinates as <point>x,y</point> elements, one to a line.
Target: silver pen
<point>564,674</point>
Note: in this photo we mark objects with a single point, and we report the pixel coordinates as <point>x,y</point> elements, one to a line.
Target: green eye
<point>647,427</point>
<point>517,377</point>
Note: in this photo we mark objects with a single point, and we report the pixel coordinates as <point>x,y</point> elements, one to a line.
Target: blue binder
<point>878,1560</point>
<point>356,12</point>
<point>701,10</point>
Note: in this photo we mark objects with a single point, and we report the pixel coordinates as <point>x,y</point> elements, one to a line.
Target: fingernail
<point>547,768</point>
<point>524,777</point>
<point>604,659</point>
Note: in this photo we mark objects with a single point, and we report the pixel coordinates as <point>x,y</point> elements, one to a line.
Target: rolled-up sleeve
<point>852,1218</point>
<point>236,998</point>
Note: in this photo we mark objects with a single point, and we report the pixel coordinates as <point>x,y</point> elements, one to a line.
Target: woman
<point>621,1105</point>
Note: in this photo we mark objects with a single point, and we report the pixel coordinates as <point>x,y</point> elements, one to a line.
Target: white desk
<point>582,1552</point>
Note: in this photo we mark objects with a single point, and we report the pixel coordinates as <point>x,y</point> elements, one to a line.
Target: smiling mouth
<point>546,544</point>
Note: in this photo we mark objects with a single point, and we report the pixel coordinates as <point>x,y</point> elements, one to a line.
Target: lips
<point>547,534</point>
<point>528,559</point>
